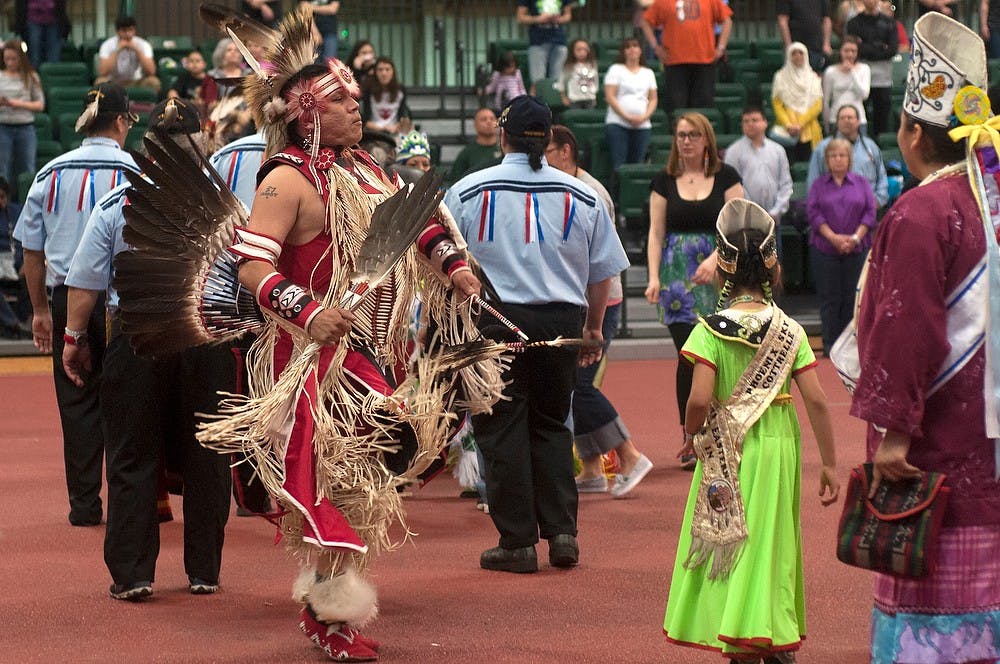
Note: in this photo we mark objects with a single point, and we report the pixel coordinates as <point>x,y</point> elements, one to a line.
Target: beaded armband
<point>253,246</point>
<point>287,301</point>
<point>440,249</point>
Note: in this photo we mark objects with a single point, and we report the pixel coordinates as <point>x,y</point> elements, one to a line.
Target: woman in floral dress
<point>684,204</point>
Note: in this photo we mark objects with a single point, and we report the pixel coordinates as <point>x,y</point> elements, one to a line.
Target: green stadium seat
<point>770,62</point>
<point>545,89</point>
<point>171,41</point>
<point>65,127</point>
<point>723,141</point>
<point>800,190</point>
<point>76,68</point>
<point>799,171</point>
<point>72,143</point>
<point>69,53</point>
<point>600,161</point>
<point>46,150</point>
<point>794,266</point>
<point>734,118</point>
<point>738,50</point>
<point>496,48</point>
<point>43,126</point>
<point>735,89</point>
<point>24,181</point>
<point>608,45</point>
<point>886,140</point>
<point>633,195</point>
<point>66,99</point>
<point>760,45</point>
<point>583,116</point>
<point>713,114</point>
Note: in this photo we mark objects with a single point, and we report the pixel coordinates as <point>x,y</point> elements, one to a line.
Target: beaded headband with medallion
<point>947,73</point>
<point>740,214</point>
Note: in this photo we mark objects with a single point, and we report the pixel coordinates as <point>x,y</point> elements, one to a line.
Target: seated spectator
<point>227,63</point>
<point>506,81</point>
<point>188,83</point>
<point>127,60</point>
<point>847,82</point>
<point>483,152</point>
<point>21,97</point>
<point>383,108</point>
<point>578,81</point>
<point>841,211</point>
<point>797,99</point>
<point>630,90</point>
<point>362,63</point>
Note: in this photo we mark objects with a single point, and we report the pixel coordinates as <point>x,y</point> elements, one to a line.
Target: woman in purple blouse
<point>841,209</point>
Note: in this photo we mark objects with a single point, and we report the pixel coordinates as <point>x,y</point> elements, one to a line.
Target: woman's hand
<point>706,270</point>
<point>828,486</point>
<point>653,290</point>
<point>890,462</point>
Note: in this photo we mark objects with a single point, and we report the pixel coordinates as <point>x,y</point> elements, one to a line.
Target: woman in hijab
<point>797,99</point>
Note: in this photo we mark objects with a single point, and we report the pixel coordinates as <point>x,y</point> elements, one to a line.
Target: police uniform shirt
<point>62,197</point>
<point>238,162</point>
<point>92,267</point>
<point>541,236</point>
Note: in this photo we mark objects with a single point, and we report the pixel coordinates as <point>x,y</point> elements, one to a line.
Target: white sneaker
<point>625,483</point>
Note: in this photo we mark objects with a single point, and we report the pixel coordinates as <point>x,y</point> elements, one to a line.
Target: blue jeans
<point>44,43</point>
<point>836,279</point>
<point>993,44</point>
<point>626,145</point>
<point>329,45</point>
<point>545,61</point>
<point>17,151</point>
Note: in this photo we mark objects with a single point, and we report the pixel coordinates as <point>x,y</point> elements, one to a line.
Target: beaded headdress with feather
<point>287,51</point>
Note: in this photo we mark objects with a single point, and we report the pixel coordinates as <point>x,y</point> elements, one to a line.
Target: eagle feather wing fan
<point>178,285</point>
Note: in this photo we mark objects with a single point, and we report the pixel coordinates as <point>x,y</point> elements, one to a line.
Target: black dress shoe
<point>522,560</point>
<point>563,551</point>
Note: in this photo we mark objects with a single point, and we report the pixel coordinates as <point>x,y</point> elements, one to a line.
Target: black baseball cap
<point>526,117</point>
<point>111,99</point>
<point>176,116</point>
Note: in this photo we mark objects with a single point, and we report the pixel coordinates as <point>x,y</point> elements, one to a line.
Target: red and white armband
<point>286,300</point>
<point>253,246</point>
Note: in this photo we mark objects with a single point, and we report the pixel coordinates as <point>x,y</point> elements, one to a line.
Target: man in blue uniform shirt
<point>56,209</point>
<point>545,241</point>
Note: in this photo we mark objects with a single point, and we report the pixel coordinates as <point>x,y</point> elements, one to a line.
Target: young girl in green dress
<point>737,583</point>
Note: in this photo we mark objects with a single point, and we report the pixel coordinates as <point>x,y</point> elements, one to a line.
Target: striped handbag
<point>897,531</point>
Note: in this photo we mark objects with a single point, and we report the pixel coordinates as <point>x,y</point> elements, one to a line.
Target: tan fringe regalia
<point>718,527</point>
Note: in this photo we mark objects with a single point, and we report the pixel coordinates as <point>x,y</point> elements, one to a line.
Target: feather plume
<point>395,226</point>
<point>178,285</point>
<point>87,117</point>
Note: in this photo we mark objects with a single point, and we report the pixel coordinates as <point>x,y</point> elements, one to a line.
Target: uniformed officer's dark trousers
<point>525,442</point>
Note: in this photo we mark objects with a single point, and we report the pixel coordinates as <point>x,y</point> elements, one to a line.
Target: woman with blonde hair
<point>797,99</point>
<point>21,97</point>
<point>684,204</point>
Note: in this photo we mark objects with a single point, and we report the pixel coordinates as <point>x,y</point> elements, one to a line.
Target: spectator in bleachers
<point>630,91</point>
<point>227,62</point>
<point>688,47</point>
<point>43,24</point>
<point>506,82</point>
<point>484,151</point>
<point>878,43</point>
<point>809,22</point>
<point>797,100</point>
<point>126,59</point>
<point>866,158</point>
<point>989,26</point>
<point>188,83</point>
<point>383,108</point>
<point>841,215</point>
<point>11,324</point>
<point>578,81</point>
<point>546,36</point>
<point>325,20</point>
<point>21,97</point>
<point>762,164</point>
<point>942,6</point>
<point>362,63</point>
<point>847,10</point>
<point>846,83</point>
<point>267,12</point>
<point>681,250</point>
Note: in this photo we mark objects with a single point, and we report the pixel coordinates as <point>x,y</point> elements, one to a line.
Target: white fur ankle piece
<point>345,598</point>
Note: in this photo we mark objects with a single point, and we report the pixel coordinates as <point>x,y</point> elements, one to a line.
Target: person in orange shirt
<point>688,48</point>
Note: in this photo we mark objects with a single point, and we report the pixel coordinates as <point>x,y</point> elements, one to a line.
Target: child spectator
<point>506,81</point>
<point>578,82</point>
<point>188,82</point>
